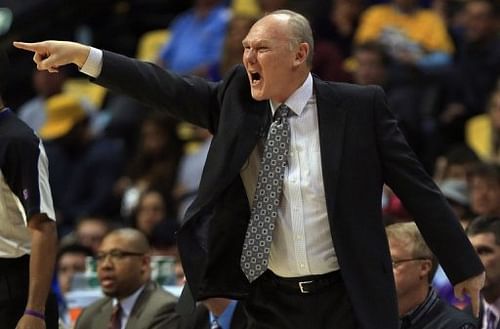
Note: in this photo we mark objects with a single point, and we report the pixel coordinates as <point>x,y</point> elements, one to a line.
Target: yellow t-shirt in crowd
<point>422,29</point>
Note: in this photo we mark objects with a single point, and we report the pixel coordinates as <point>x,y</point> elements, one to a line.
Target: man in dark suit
<point>484,234</point>
<point>318,229</point>
<point>132,300</point>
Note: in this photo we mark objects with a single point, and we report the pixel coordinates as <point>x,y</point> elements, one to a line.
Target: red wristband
<point>34,313</point>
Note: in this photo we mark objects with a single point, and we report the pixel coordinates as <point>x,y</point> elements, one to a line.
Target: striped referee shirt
<point>24,184</point>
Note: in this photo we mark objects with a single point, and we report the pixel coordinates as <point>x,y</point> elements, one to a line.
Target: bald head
<point>298,28</point>
<point>134,239</point>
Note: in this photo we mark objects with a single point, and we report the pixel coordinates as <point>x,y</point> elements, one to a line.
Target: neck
<point>295,82</point>
<point>412,300</point>
<point>217,305</point>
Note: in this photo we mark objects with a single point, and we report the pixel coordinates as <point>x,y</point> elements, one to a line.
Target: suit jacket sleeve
<point>420,195</point>
<point>188,98</point>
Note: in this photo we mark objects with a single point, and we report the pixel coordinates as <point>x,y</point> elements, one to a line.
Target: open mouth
<point>255,77</point>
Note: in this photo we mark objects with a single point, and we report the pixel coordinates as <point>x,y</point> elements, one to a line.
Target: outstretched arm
<point>50,55</point>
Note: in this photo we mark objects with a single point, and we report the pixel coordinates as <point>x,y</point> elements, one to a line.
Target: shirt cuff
<point>93,65</point>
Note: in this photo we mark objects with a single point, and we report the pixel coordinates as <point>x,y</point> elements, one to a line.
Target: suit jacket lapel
<point>331,121</point>
<point>133,319</point>
<point>104,317</point>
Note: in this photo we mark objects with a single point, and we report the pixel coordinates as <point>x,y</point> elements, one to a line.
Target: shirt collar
<point>298,100</point>
<point>128,303</point>
<point>225,318</point>
<point>494,307</point>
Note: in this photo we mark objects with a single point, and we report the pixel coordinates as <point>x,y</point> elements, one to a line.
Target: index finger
<point>30,46</point>
<point>474,300</point>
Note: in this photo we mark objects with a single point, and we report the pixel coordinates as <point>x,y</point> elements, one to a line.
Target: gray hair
<point>301,31</point>
<point>409,234</point>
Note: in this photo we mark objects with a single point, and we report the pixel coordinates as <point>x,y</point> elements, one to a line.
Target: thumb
<point>459,292</point>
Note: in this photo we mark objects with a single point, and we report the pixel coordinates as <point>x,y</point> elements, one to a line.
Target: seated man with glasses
<point>132,300</point>
<point>414,265</point>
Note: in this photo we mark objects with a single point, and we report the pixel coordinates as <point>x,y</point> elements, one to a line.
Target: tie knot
<point>281,112</point>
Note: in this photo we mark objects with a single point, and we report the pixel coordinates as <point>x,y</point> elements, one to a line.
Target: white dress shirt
<point>302,242</point>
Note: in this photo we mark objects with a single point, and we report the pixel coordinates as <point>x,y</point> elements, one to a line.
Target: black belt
<point>302,285</point>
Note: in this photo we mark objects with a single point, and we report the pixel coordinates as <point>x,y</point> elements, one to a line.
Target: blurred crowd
<point>116,163</point>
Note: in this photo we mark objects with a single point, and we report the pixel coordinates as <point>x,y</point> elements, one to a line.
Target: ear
<point>425,268</point>
<point>146,263</point>
<point>301,54</point>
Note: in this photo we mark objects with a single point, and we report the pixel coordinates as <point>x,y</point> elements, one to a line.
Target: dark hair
<point>486,171</point>
<point>485,224</point>
<point>4,69</point>
<point>461,154</point>
<point>74,248</point>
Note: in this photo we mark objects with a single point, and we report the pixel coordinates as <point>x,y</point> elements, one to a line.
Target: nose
<point>249,55</point>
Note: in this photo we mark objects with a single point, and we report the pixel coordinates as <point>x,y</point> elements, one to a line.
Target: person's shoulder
<point>159,295</point>
<point>453,318</point>
<point>17,133</point>
<point>345,89</point>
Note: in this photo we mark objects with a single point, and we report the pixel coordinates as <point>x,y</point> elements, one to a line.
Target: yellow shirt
<point>423,29</point>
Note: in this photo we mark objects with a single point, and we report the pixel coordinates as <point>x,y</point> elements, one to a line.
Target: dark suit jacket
<point>361,149</point>
<point>200,319</point>
<point>154,309</point>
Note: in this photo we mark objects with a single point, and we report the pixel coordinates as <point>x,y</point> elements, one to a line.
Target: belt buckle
<point>302,288</point>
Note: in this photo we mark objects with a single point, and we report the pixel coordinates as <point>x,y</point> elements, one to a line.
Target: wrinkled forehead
<point>269,28</point>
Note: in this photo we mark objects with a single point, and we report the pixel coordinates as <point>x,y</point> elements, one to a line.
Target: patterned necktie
<point>258,238</point>
<point>491,319</point>
<point>116,317</point>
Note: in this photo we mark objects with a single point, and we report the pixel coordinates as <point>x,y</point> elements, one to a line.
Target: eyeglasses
<point>115,255</point>
<point>396,263</point>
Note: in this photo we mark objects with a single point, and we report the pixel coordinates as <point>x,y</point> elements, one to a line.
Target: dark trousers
<point>280,303</point>
<point>14,287</point>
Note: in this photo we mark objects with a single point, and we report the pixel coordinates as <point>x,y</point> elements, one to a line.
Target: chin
<point>258,96</point>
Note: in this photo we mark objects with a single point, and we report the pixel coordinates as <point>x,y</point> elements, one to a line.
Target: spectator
<point>89,232</point>
<point>455,164</point>
<point>152,209</point>
<point>411,34</point>
<point>155,161</point>
<point>483,131</point>
<point>484,185</point>
<point>339,24</point>
<point>484,234</point>
<point>28,237</point>
<point>414,266</point>
<point>132,300</point>
<point>84,167</point>
<point>46,85</point>
<point>71,259</point>
<point>477,68</point>
<point>197,36</point>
